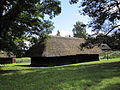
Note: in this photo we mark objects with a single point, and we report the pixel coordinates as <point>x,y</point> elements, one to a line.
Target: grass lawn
<point>97,75</point>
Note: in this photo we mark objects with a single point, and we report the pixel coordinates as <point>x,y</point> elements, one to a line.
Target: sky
<point>68,17</point>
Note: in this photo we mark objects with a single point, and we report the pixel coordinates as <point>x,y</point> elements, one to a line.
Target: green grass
<point>23,60</point>
<point>97,75</point>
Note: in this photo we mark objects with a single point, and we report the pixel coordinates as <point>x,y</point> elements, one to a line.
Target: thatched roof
<point>104,47</point>
<point>60,46</point>
<point>4,54</point>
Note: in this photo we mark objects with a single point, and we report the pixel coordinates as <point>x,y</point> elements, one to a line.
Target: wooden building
<point>104,47</point>
<point>61,50</point>
<point>6,58</point>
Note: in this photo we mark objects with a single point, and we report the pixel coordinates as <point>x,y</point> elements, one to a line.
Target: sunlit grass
<point>23,60</point>
<point>97,75</point>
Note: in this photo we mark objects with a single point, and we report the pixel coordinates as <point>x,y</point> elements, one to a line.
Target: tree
<point>22,20</point>
<point>115,40</point>
<point>58,33</point>
<point>79,30</point>
<point>104,14</point>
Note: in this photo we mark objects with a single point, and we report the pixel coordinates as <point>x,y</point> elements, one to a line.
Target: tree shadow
<point>23,65</point>
<point>7,71</point>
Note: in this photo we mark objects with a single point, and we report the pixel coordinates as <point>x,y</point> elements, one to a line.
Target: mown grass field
<point>97,75</point>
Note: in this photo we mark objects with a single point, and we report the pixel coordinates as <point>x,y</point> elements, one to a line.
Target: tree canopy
<point>22,20</point>
<point>104,14</point>
<point>79,30</point>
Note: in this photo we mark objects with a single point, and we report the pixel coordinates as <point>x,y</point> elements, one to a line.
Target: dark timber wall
<point>62,60</point>
<point>7,60</point>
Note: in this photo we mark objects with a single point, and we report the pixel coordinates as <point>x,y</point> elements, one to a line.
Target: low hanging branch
<point>112,29</point>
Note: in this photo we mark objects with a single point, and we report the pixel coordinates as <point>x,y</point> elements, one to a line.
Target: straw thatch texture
<point>4,54</point>
<point>104,47</point>
<point>60,46</point>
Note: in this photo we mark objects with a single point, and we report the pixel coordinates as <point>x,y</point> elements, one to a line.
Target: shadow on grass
<point>12,71</point>
<point>23,65</point>
<point>7,71</point>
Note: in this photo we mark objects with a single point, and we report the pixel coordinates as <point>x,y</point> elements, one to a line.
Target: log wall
<point>63,60</point>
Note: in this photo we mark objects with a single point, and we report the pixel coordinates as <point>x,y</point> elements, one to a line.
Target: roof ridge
<point>67,37</point>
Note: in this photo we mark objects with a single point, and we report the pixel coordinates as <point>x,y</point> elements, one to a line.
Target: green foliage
<point>23,20</point>
<point>58,33</point>
<point>94,76</point>
<point>44,38</point>
<point>79,30</point>
<point>104,14</point>
<point>112,40</point>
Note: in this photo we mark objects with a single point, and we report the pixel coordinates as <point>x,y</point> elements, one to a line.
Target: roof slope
<point>4,54</point>
<point>104,47</point>
<point>60,46</point>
